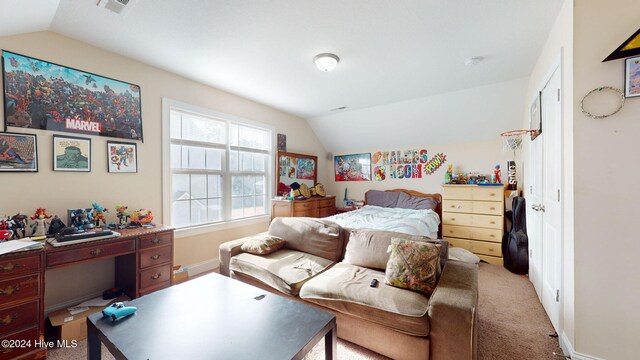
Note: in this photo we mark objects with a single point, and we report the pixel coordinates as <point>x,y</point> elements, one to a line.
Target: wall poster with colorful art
<point>405,164</point>
<point>42,95</point>
<point>356,167</point>
<point>18,152</point>
<point>123,157</point>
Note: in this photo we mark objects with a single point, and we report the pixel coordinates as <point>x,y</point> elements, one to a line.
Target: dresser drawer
<point>154,276</point>
<point>19,343</point>
<point>19,266</point>
<point>19,288</point>
<point>494,235</point>
<point>306,213</point>
<point>155,256</point>
<point>326,203</point>
<point>477,247</point>
<point>94,251</point>
<point>328,211</point>
<point>299,206</point>
<point>18,317</point>
<point>473,207</point>
<point>486,221</point>
<point>483,193</point>
<point>492,259</point>
<point>151,240</point>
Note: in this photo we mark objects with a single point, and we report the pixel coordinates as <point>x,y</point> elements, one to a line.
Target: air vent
<point>120,7</point>
<point>339,108</point>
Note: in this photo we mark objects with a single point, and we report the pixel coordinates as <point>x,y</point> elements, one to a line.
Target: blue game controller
<point>118,310</point>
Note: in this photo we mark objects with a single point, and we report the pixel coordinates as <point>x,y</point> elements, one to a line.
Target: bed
<point>406,211</point>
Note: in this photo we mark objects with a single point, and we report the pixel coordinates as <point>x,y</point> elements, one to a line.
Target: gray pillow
<point>406,201</point>
<point>387,199</point>
<point>317,237</point>
<point>368,248</point>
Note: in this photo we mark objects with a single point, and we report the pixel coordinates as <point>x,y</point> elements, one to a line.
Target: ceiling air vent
<point>120,7</point>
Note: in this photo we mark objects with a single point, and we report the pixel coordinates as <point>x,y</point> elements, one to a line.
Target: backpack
<point>515,244</point>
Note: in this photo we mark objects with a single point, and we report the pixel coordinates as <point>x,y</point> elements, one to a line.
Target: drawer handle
<point>9,267</point>
<point>492,194</point>
<point>453,219</point>
<point>155,240</point>
<point>491,250</point>
<point>156,276</point>
<point>492,208</point>
<point>492,235</point>
<point>8,320</point>
<point>450,231</point>
<point>9,290</point>
<point>96,252</point>
<point>155,257</point>
<point>492,222</point>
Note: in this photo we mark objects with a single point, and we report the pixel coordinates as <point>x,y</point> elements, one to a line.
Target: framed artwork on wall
<point>18,152</point>
<point>356,167</point>
<point>123,157</point>
<point>43,95</point>
<point>71,153</point>
<point>282,142</point>
<point>535,117</point>
<point>632,77</point>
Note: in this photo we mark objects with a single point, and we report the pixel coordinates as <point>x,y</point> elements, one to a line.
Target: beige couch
<point>322,265</point>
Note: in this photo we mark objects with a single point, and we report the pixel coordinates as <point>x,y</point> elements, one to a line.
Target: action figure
<point>56,225</point>
<point>142,218</point>
<point>80,219</point>
<point>123,215</point>
<point>98,214</point>
<point>39,227</point>
<point>497,173</point>
<point>19,225</point>
<point>448,175</point>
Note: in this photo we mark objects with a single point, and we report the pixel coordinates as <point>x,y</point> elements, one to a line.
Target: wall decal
<point>405,164</point>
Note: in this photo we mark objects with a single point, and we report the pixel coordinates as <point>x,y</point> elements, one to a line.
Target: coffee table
<point>213,317</point>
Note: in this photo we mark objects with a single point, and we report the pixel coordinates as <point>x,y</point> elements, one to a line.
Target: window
<point>219,167</point>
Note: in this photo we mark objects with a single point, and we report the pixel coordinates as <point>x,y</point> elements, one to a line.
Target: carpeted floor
<point>512,324</point>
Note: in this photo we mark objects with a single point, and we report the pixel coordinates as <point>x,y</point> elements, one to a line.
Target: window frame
<point>167,106</point>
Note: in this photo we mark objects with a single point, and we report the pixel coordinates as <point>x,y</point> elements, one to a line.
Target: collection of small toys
<point>473,177</point>
<point>98,214</point>
<point>39,226</point>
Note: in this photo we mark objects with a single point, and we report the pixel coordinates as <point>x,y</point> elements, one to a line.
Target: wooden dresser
<point>473,219</point>
<point>312,207</point>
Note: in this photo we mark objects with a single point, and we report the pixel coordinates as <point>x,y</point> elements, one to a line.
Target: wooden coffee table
<point>213,317</point>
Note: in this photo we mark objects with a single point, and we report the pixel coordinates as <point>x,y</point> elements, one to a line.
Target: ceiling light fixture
<point>472,61</point>
<point>326,61</point>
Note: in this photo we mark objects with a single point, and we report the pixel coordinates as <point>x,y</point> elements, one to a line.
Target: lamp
<point>326,62</point>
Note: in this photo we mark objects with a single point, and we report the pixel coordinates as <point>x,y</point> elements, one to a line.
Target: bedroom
<point>41,30</point>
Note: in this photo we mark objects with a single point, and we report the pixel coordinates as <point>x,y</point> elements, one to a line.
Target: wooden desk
<point>144,261</point>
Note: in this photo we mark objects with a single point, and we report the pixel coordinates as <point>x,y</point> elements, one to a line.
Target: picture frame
<point>71,153</point>
<point>632,77</point>
<point>353,167</point>
<point>535,117</point>
<point>68,100</point>
<point>18,152</point>
<point>282,142</point>
<point>122,157</point>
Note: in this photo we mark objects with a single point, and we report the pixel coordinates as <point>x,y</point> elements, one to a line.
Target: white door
<point>545,208</point>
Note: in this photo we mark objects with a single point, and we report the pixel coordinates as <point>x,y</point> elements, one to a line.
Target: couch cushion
<point>285,270</point>
<point>345,288</point>
<point>368,248</point>
<point>412,265</point>
<point>318,237</point>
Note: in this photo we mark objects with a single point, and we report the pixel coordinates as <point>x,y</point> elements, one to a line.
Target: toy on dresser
<point>81,218</point>
<point>39,226</point>
<point>98,214</point>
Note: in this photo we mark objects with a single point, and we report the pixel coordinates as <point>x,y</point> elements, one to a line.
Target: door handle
<point>538,207</point>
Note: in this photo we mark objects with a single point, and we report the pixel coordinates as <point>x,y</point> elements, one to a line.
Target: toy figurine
<point>142,218</point>
<point>5,230</point>
<point>56,225</point>
<point>19,225</point>
<point>123,214</point>
<point>448,175</point>
<point>497,173</point>
<point>39,227</point>
<point>80,219</point>
<point>98,214</point>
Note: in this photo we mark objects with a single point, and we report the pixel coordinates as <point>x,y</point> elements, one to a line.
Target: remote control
<point>374,283</point>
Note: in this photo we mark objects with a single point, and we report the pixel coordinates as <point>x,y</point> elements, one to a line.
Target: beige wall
<point>466,157</point>
<point>559,45</point>
<point>607,275</point>
<point>58,191</point>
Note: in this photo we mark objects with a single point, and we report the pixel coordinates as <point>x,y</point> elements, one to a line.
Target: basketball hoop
<point>512,140</point>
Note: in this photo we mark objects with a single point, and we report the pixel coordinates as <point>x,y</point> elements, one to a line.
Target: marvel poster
<point>43,95</point>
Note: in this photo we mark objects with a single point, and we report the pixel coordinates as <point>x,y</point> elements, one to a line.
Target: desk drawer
<point>19,266</point>
<point>154,276</point>
<point>103,249</point>
<point>155,256</point>
<point>304,206</point>
<point>18,344</point>
<point>152,240</point>
<point>493,235</point>
<point>485,221</point>
<point>19,288</point>
<point>19,317</point>
<point>473,207</point>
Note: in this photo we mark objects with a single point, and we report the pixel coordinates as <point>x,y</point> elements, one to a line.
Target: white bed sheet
<point>413,222</point>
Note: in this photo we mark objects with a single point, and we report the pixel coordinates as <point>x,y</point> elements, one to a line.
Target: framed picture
<point>42,95</point>
<point>632,77</point>
<point>282,142</point>
<point>355,167</point>
<point>71,153</point>
<point>535,117</point>
<point>18,152</point>
<point>123,157</point>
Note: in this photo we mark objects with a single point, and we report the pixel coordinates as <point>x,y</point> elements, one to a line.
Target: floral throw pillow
<point>413,265</point>
<point>262,244</point>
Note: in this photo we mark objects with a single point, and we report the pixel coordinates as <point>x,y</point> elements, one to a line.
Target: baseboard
<point>566,346</point>
<point>69,303</point>
<point>203,267</point>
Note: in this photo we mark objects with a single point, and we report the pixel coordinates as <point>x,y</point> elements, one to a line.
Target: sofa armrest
<point>453,313</point>
<point>230,249</point>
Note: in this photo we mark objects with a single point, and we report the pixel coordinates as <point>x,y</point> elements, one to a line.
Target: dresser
<point>317,207</point>
<point>473,219</point>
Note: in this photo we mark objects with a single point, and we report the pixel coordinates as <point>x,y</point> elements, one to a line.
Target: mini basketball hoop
<point>512,140</point>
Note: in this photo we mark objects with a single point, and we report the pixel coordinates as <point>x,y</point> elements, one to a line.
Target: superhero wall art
<point>43,95</point>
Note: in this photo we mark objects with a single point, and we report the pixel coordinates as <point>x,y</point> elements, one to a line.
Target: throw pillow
<point>413,265</point>
<point>262,244</point>
<point>406,201</point>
